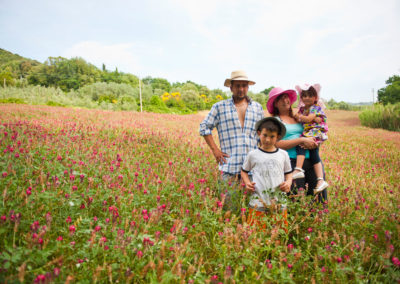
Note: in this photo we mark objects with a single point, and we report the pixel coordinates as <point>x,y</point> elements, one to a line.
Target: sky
<point>350,47</point>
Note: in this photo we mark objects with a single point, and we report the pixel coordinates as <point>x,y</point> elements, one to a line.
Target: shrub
<point>379,116</point>
<point>101,91</point>
<point>192,100</point>
<point>52,103</point>
<point>12,101</point>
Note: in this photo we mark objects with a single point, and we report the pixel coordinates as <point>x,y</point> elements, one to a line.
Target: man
<point>235,120</point>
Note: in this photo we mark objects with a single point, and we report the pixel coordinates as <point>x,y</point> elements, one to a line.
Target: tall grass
<point>379,116</point>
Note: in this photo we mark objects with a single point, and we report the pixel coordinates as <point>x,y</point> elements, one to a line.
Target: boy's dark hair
<point>270,125</point>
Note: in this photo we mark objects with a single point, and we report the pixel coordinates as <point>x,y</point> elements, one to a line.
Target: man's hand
<point>251,186</point>
<point>220,156</point>
<point>285,186</point>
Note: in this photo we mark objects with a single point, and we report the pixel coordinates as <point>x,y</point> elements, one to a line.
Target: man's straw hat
<point>238,75</point>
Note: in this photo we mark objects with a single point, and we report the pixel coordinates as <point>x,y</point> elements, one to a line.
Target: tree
<point>157,83</point>
<point>192,100</point>
<point>6,79</point>
<point>64,73</point>
<point>190,87</point>
<point>266,91</point>
<point>391,93</point>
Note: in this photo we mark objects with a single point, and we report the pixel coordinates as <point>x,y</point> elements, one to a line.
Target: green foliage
<point>158,83</point>
<point>111,95</point>
<point>6,79</point>
<point>121,78</point>
<point>100,90</point>
<point>382,116</point>
<point>52,103</point>
<point>64,73</point>
<point>391,93</point>
<point>192,100</point>
<point>18,66</point>
<point>259,97</point>
<point>157,101</point>
<point>189,87</point>
<point>12,101</point>
<point>266,91</point>
<point>332,104</point>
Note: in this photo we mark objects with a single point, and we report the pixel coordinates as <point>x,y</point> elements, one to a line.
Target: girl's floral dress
<point>313,129</point>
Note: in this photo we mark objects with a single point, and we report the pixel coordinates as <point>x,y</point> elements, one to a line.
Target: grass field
<point>101,196</point>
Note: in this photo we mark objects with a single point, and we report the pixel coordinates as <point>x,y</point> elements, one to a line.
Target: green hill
<point>15,65</point>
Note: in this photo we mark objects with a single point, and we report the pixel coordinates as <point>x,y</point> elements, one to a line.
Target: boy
<point>271,169</point>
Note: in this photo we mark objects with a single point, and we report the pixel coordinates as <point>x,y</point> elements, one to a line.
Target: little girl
<point>313,118</point>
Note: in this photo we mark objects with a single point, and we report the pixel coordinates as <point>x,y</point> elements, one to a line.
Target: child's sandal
<point>322,186</point>
<point>299,174</point>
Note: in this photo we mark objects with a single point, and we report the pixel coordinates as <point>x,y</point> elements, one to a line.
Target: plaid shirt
<point>234,140</point>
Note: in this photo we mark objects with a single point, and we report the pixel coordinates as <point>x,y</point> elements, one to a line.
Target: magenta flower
<point>214,278</point>
<point>139,254</point>
<point>396,261</point>
<point>40,278</point>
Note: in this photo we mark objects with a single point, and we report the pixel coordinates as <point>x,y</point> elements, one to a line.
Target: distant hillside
<point>15,64</point>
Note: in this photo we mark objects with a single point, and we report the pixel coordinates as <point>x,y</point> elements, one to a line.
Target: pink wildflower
<point>41,278</point>
<point>396,261</point>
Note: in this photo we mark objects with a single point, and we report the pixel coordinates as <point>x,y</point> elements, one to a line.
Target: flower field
<point>101,196</point>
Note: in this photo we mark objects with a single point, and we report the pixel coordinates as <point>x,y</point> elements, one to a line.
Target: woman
<point>280,105</point>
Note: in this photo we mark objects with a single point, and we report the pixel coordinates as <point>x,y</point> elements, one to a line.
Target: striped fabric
<point>234,140</point>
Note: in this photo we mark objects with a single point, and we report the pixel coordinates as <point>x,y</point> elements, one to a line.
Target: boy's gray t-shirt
<point>269,169</point>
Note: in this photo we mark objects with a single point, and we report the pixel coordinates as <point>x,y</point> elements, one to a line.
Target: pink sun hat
<point>306,87</point>
<point>275,93</point>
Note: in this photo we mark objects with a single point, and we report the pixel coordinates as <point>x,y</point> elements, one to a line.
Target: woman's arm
<point>307,118</point>
<point>306,142</point>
